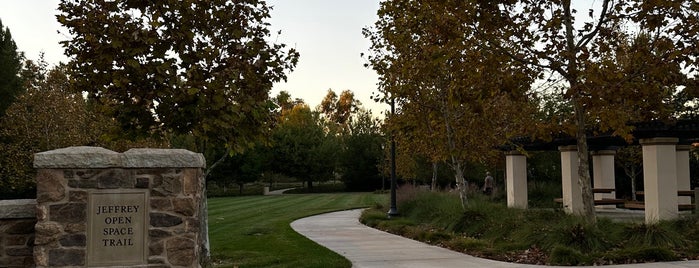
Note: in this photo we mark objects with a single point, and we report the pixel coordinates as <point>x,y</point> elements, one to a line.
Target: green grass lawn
<point>254,231</point>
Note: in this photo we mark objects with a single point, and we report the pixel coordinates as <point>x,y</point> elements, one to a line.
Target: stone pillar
<point>516,179</point>
<point>99,208</point>
<point>572,193</point>
<point>683,178</point>
<point>660,178</point>
<point>603,174</point>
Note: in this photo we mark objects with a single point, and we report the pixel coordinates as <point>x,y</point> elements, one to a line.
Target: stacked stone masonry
<point>170,182</point>
<point>17,219</point>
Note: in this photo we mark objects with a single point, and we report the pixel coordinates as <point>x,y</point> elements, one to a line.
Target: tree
<point>362,154</point>
<point>47,116</point>
<point>339,110</point>
<point>301,147</point>
<point>631,160</point>
<point>602,66</point>
<point>177,66</point>
<point>448,89</point>
<point>243,167</point>
<point>10,66</point>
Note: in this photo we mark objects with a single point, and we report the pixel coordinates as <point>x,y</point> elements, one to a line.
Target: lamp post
<point>393,211</point>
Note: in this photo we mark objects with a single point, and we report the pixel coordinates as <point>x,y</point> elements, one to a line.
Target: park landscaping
<point>487,228</point>
<point>254,231</point>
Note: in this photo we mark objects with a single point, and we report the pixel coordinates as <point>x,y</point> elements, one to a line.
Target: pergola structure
<point>665,168</point>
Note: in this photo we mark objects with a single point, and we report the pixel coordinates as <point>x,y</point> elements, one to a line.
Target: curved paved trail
<point>367,247</point>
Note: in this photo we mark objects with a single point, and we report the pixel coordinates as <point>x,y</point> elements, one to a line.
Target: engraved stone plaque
<point>117,228</point>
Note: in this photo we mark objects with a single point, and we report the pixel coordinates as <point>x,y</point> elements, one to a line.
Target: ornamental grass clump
<point>662,234</point>
<point>488,228</point>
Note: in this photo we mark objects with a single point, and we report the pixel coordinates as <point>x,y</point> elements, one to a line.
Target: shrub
<point>654,235</point>
<point>562,255</point>
<point>466,244</point>
<point>641,254</point>
<point>490,229</point>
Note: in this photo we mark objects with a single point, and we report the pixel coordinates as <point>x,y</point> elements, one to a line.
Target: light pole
<point>393,211</point>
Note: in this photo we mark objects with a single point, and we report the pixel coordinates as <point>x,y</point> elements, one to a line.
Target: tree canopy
<point>302,147</point>
<point>448,64</point>
<point>10,66</point>
<point>614,63</point>
<point>180,66</point>
<point>456,101</point>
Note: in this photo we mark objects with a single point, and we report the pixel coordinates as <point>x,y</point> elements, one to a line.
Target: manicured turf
<point>254,231</point>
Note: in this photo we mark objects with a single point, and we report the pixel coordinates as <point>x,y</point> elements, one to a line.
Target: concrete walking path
<point>280,191</point>
<point>367,247</point>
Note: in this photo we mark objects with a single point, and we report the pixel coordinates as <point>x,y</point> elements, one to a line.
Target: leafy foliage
<point>10,66</point>
<point>339,110</point>
<point>362,154</point>
<point>620,62</point>
<point>609,75</point>
<point>47,116</point>
<point>456,100</point>
<point>181,66</point>
<point>302,149</point>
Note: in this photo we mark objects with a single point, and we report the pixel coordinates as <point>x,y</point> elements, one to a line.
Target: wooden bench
<point>679,193</point>
<point>603,190</point>
<point>636,205</point>
<point>603,201</point>
<point>682,207</point>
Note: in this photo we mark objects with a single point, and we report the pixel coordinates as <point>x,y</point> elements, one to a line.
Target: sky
<point>327,34</point>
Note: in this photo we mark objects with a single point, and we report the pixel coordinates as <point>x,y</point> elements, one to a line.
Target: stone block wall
<point>169,183</point>
<point>17,219</point>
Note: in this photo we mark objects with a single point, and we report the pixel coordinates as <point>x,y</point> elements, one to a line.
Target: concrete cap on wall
<point>158,158</point>
<point>98,157</point>
<point>18,209</point>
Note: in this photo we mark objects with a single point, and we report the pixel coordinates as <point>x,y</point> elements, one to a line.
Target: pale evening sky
<point>327,34</point>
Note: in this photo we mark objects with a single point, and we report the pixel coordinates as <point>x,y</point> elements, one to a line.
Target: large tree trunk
<point>204,213</point>
<point>456,164</point>
<point>433,187</point>
<point>572,75</point>
<point>633,183</point>
<point>584,181</point>
<point>461,183</point>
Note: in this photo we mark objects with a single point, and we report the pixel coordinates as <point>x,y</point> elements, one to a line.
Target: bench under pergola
<point>665,169</point>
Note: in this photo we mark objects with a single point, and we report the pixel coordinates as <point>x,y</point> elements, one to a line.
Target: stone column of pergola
<point>516,176</point>
<point>603,174</point>
<point>683,172</point>
<point>572,194</point>
<point>660,178</point>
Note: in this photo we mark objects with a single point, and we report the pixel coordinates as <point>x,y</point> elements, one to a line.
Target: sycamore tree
<point>447,89</point>
<point>613,62</point>
<point>180,66</point>
<point>204,68</point>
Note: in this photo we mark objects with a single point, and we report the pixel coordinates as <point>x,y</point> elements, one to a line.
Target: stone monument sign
<point>99,208</point>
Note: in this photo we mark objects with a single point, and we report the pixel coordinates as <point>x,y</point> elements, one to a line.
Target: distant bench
<point>682,207</point>
<point>637,205</point>
<point>679,193</point>
<point>603,201</point>
<point>603,190</point>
